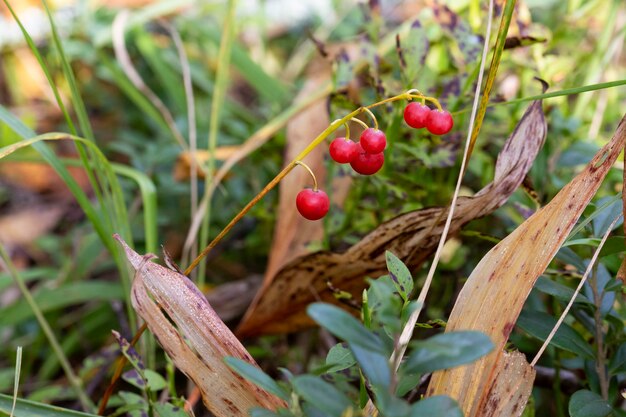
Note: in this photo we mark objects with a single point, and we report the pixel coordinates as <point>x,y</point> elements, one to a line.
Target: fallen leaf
<point>201,342</point>
<point>40,177</point>
<point>493,296</point>
<point>413,236</point>
<point>182,168</point>
<point>22,227</point>
<point>514,378</point>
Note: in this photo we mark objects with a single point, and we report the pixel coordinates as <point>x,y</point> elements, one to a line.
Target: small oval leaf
<point>588,404</point>
<point>447,350</point>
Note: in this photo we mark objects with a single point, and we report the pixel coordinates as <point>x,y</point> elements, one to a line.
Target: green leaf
<point>343,72</point>
<point>447,350</point>
<point>339,358</point>
<point>588,404</point>
<point>344,326</point>
<point>71,293</point>
<point>375,366</point>
<point>262,412</point>
<point>155,381</point>
<point>169,410</point>
<point>406,382</point>
<point>400,275</point>
<point>618,361</point>
<point>540,324</point>
<point>559,291</point>
<point>414,50</point>
<point>25,408</point>
<point>256,376</point>
<point>437,406</point>
<point>321,395</point>
<point>134,378</point>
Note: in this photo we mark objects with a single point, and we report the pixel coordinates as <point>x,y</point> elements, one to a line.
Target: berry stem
<point>347,126</point>
<point>305,166</point>
<point>369,112</point>
<point>424,99</point>
<point>291,165</point>
<point>361,122</point>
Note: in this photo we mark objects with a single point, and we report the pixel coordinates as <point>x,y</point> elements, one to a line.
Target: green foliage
<point>588,404</point>
<point>75,273</point>
<point>367,351</point>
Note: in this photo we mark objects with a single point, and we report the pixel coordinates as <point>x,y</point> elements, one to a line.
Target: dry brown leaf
<point>202,340</point>
<point>514,378</point>
<point>413,236</point>
<point>495,292</point>
<point>182,168</point>
<point>24,226</point>
<point>39,177</point>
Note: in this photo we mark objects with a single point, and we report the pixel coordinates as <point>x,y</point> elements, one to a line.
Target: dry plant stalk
<point>413,237</point>
<point>200,343</point>
<point>495,292</point>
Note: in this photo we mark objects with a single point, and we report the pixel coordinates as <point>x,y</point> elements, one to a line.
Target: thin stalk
<point>507,14</point>
<point>191,116</point>
<point>580,285</point>
<point>75,382</point>
<point>601,354</point>
<point>407,331</point>
<point>221,81</point>
<point>16,381</point>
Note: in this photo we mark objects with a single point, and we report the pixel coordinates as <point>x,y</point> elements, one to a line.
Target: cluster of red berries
<point>366,156</point>
<point>437,122</point>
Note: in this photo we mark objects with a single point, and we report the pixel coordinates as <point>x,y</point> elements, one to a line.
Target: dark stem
<point>601,354</point>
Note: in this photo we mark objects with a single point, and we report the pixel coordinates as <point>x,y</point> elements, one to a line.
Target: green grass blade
<point>74,381</point>
<point>507,13</point>
<point>88,208</point>
<point>77,101</point>
<point>62,296</point>
<point>27,408</point>
<point>132,92</point>
<point>149,199</point>
<point>103,228</point>
<point>44,68</point>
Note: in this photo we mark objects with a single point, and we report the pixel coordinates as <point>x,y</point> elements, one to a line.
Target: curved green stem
<point>305,166</point>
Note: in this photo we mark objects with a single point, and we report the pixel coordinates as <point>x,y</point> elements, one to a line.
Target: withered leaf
<point>413,237</point>
<point>493,296</point>
<point>201,341</point>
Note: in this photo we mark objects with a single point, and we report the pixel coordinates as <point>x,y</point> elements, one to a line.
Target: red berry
<point>366,163</point>
<point>439,122</point>
<point>373,140</point>
<point>416,114</point>
<point>312,205</point>
<point>342,150</point>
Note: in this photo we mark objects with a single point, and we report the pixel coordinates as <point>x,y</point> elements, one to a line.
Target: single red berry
<point>311,204</point>
<point>439,122</point>
<point>366,163</point>
<point>342,150</point>
<point>373,140</point>
<point>416,114</point>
